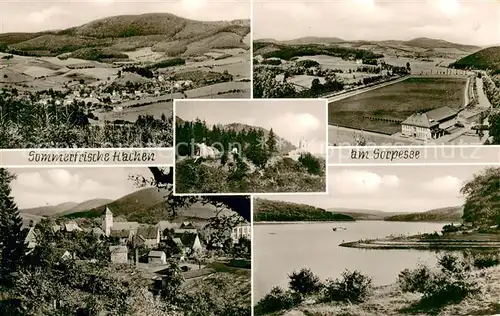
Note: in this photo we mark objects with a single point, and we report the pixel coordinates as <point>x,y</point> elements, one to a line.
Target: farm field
<point>305,80</point>
<point>396,101</point>
<point>131,113</point>
<point>215,89</point>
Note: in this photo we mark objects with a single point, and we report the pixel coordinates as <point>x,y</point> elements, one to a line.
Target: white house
<point>119,254</point>
<point>148,235</point>
<point>243,230</point>
<point>202,150</point>
<point>429,125</point>
<point>157,257</point>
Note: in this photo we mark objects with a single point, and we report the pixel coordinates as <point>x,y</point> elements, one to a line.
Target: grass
<point>226,268</point>
<point>396,101</point>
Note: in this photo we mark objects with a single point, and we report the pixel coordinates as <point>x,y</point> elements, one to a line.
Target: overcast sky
<point>290,119</point>
<point>47,186</point>
<point>392,189</point>
<point>474,22</point>
<point>33,16</point>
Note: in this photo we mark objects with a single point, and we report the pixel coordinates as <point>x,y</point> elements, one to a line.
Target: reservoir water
<point>280,249</point>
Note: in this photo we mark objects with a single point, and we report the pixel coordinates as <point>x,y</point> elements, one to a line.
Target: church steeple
<point>303,144</point>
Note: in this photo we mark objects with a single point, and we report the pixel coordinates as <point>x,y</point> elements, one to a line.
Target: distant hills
<point>485,59</point>
<point>445,214</point>
<point>280,211</point>
<point>421,47</point>
<point>145,206</point>
<point>108,38</point>
<point>362,214</point>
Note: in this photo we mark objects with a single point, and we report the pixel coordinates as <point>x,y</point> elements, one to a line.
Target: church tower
<point>303,145</point>
<point>107,222</point>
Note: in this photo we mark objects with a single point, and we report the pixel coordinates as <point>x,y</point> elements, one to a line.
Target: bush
<point>352,287</point>
<point>304,282</point>
<point>277,300</point>
<point>312,163</point>
<point>450,228</point>
<point>451,283</point>
<point>483,261</point>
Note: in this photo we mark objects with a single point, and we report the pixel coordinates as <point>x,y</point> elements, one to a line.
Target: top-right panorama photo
<point>394,72</point>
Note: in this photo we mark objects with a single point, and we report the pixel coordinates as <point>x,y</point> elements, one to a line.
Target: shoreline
<point>298,222</point>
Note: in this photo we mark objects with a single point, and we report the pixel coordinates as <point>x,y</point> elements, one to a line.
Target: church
<point>302,149</point>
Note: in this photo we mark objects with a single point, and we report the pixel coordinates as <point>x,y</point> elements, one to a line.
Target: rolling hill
<point>280,211</point>
<point>488,58</point>
<point>445,214</point>
<point>145,206</point>
<point>49,210</point>
<point>418,47</point>
<point>362,214</point>
<point>107,38</point>
<point>64,208</point>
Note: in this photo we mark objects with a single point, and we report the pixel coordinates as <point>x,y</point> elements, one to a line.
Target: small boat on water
<point>272,233</point>
<point>338,228</point>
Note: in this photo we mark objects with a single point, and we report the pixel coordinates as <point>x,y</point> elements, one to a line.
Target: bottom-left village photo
<point>102,241</point>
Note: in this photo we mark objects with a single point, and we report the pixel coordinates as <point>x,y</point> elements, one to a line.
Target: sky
<point>474,22</point>
<point>51,186</point>
<point>290,119</point>
<point>33,16</point>
<point>391,189</point>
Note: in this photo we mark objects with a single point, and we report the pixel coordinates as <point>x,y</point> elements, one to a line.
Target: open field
<point>396,101</point>
<point>331,62</point>
<point>217,90</point>
<point>131,113</point>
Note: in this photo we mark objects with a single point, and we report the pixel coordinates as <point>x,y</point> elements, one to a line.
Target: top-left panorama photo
<point>104,73</point>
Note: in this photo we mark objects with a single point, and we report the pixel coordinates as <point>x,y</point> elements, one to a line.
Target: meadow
<point>396,101</point>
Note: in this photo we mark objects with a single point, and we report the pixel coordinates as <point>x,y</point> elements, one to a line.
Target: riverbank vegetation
<point>458,285</point>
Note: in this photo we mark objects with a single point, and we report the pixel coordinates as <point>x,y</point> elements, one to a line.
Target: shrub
<point>450,228</point>
<point>414,280</point>
<point>483,261</point>
<point>451,283</point>
<point>277,300</point>
<point>312,163</point>
<point>352,287</point>
<point>304,282</point>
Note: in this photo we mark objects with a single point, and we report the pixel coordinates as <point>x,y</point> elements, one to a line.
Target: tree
<point>482,198</point>
<point>304,282</point>
<point>12,235</point>
<point>494,130</point>
<point>271,142</point>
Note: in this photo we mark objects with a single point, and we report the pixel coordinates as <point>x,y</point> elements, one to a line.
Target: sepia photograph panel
<point>97,74</point>
<point>391,78</point>
<point>405,240</point>
<point>250,146</point>
<point>115,241</point>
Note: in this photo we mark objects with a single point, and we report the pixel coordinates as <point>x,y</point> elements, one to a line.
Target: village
<point>152,248</point>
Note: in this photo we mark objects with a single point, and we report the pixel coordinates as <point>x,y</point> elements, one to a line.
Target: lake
<point>280,249</point>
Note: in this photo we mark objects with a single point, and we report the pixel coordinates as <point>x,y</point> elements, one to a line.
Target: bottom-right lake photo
<point>400,240</point>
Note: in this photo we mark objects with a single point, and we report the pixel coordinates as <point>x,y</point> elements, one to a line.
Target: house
<point>124,235</point>
<point>149,236</point>
<point>188,243</point>
<point>72,226</point>
<point>119,254</point>
<point>241,231</point>
<point>429,125</point>
<point>187,225</point>
<point>202,150</point>
<point>163,225</point>
<point>30,238</point>
<point>109,225</point>
<point>157,257</point>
